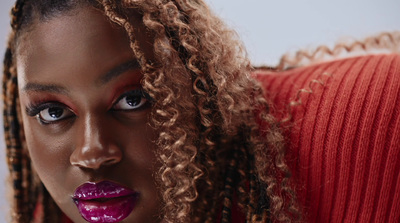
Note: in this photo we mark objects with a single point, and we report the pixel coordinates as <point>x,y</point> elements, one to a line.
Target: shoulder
<point>343,136</point>
<point>354,76</point>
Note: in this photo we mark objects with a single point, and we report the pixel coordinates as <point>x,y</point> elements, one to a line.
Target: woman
<point>137,111</point>
<point>146,111</point>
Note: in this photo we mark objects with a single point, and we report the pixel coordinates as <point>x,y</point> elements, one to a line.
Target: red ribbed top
<point>343,137</point>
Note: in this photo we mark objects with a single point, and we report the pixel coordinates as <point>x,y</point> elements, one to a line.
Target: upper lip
<point>103,189</point>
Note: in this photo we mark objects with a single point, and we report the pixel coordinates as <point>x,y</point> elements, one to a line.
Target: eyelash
<point>135,92</point>
<point>34,109</point>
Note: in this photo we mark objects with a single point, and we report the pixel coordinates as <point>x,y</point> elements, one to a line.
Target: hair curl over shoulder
<point>388,42</point>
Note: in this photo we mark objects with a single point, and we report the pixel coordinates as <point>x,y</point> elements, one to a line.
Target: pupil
<point>55,112</point>
<point>133,100</point>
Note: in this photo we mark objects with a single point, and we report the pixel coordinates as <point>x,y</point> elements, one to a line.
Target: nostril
<point>94,163</point>
<point>95,157</point>
<point>110,162</point>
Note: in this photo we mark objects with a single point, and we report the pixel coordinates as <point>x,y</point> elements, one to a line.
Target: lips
<point>104,201</point>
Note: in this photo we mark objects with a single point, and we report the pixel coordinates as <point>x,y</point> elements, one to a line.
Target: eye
<point>48,113</point>
<point>53,114</point>
<point>131,100</point>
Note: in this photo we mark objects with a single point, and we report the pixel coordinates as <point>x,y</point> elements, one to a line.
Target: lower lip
<point>110,210</point>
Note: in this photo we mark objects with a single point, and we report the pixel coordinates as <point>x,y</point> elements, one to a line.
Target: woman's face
<point>85,118</point>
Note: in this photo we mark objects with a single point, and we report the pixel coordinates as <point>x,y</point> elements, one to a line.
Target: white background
<point>271,28</point>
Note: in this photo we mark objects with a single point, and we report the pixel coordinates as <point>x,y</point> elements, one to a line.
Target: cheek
<point>140,151</point>
<point>140,144</point>
<point>49,155</point>
<point>141,165</point>
<point>46,151</point>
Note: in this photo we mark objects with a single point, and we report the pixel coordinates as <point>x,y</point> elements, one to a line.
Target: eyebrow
<point>107,77</point>
<point>45,87</point>
<point>118,70</point>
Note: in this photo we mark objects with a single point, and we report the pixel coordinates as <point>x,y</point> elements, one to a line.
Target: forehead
<point>77,40</point>
<point>70,28</point>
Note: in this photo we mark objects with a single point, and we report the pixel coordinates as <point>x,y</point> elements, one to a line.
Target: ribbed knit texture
<point>343,136</point>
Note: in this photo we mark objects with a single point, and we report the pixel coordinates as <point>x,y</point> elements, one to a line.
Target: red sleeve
<point>344,136</point>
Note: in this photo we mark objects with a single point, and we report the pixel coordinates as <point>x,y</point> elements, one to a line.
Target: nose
<point>94,148</point>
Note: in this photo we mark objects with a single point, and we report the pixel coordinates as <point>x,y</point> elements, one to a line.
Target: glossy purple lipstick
<point>104,201</point>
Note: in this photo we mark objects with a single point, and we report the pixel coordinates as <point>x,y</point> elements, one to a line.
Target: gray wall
<point>271,28</point>
<point>5,5</point>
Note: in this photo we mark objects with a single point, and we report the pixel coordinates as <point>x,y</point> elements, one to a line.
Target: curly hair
<point>217,141</point>
<point>382,42</point>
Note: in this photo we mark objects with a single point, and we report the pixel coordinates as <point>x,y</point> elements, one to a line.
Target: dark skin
<point>75,70</point>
